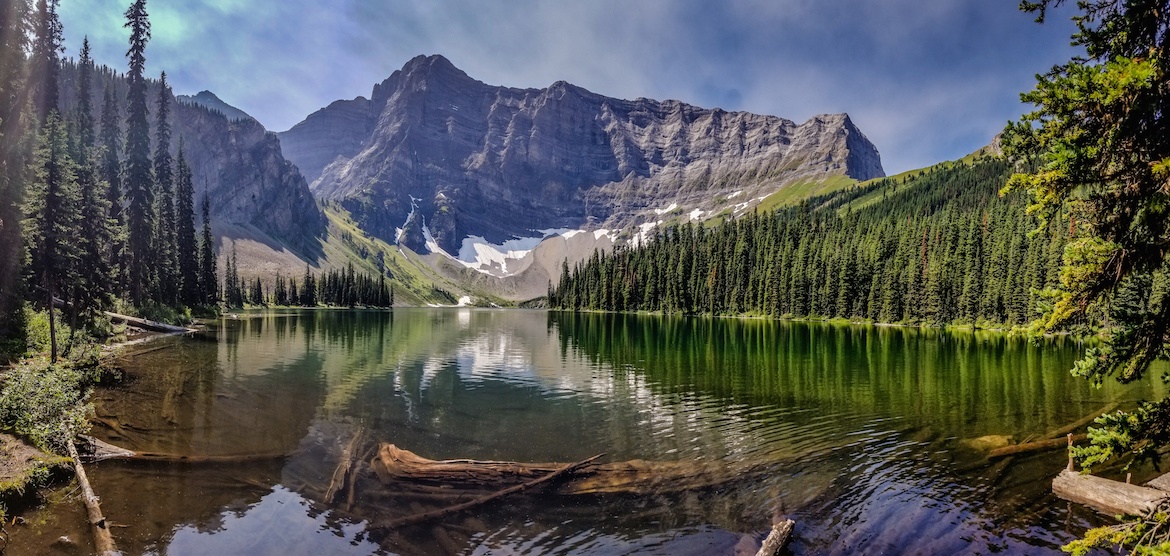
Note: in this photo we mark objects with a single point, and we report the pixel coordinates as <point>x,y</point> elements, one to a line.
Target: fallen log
<point>1107,496</point>
<point>395,466</point>
<point>776,539</point>
<point>428,516</point>
<point>101,451</point>
<point>1073,427</point>
<point>102,540</point>
<point>147,324</point>
<point>1037,446</point>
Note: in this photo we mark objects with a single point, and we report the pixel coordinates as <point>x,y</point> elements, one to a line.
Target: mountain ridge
<point>434,157</point>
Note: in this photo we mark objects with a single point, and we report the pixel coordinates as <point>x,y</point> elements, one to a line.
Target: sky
<point>926,81</point>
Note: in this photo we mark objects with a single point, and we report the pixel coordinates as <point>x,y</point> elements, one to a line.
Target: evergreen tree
<point>165,238</point>
<point>51,226</point>
<point>187,251</point>
<point>208,281</point>
<point>46,58</point>
<point>94,285</point>
<point>139,184</point>
<point>14,154</point>
<point>111,173</point>
<point>1097,147</point>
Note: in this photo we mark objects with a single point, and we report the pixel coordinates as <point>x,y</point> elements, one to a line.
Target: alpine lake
<point>872,438</point>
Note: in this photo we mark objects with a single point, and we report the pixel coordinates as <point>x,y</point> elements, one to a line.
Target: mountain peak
<point>209,100</point>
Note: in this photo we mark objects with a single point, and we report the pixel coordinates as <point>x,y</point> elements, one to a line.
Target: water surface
<point>865,434</point>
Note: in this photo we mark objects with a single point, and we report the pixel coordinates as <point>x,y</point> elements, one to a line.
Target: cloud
<point>926,81</point>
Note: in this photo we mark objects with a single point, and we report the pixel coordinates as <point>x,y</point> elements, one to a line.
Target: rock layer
<point>434,157</point>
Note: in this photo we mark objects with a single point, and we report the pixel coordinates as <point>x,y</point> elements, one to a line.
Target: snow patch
<point>670,208</point>
<point>464,301</point>
<point>734,195</point>
<point>477,253</point>
<point>696,214</point>
<point>645,232</point>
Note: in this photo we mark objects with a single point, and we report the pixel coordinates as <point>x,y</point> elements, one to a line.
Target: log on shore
<point>1105,495</point>
<point>147,324</point>
<point>403,468</point>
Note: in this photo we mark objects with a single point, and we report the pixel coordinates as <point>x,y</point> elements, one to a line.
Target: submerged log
<point>428,516</point>
<point>102,539</point>
<point>1107,496</point>
<point>101,451</point>
<point>395,465</point>
<point>1037,446</point>
<point>344,471</point>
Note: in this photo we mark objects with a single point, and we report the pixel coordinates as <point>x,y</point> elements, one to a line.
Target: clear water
<point>865,434</point>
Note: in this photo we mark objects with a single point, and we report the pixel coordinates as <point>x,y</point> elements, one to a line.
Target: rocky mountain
<point>235,161</point>
<point>207,99</point>
<point>440,162</point>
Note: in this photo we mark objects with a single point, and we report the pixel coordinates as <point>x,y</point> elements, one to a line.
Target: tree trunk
<point>52,321</point>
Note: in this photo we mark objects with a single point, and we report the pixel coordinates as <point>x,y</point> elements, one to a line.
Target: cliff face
<point>236,162</point>
<point>240,166</point>
<point>437,157</point>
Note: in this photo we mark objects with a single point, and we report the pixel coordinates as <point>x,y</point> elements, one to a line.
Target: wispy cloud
<point>926,81</point>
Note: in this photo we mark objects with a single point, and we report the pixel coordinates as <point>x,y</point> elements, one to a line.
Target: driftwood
<point>409,471</point>
<point>102,540</point>
<point>1037,446</point>
<point>776,539</point>
<point>428,516</point>
<point>1107,496</point>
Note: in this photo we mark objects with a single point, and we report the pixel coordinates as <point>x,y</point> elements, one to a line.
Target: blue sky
<point>926,81</point>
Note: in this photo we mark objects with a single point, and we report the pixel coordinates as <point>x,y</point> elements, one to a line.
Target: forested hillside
<point>939,247</point>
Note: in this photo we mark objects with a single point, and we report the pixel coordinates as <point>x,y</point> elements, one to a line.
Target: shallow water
<point>863,433</point>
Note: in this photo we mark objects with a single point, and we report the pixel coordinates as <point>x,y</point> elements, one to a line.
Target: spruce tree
<point>139,184</point>
<point>186,248</point>
<point>165,238</point>
<point>14,148</point>
<point>52,218</point>
<point>47,48</point>
<point>208,280</point>
<point>1097,146</point>
<point>111,173</point>
<point>93,288</point>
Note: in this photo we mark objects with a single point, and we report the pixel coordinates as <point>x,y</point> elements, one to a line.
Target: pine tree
<point>208,281</point>
<point>94,286</point>
<point>165,238</point>
<point>46,58</point>
<point>111,173</point>
<point>186,248</point>
<point>14,155</point>
<point>140,221</point>
<point>1097,145</point>
<point>51,225</point>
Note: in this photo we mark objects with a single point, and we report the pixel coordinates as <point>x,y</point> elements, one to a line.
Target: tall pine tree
<point>166,261</point>
<point>111,169</point>
<point>52,219</point>
<point>47,47</point>
<point>93,287</point>
<point>187,250</point>
<point>14,148</point>
<point>208,282</point>
<point>139,184</point>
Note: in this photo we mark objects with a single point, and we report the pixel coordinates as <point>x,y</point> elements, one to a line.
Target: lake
<point>865,435</point>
